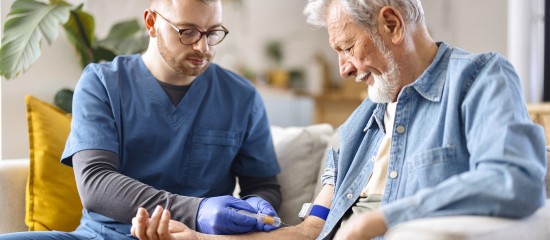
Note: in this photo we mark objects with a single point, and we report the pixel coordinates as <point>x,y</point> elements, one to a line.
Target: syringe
<point>264,218</point>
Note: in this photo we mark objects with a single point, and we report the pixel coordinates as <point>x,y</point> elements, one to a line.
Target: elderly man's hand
<point>364,226</point>
<point>159,226</point>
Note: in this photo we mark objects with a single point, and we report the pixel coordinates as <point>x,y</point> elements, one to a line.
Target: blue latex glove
<point>214,217</point>
<point>262,206</point>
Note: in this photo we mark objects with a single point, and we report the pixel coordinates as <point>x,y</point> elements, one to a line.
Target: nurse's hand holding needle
<point>214,217</point>
<point>260,217</point>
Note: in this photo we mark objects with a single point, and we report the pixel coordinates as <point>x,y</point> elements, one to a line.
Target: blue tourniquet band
<point>319,211</point>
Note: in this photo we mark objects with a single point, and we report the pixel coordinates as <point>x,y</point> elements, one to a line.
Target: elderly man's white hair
<point>364,12</point>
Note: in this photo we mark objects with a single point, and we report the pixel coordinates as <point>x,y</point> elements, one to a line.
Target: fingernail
<point>156,210</point>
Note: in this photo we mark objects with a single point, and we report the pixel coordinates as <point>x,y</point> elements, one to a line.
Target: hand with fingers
<point>215,216</point>
<point>158,226</point>
<point>262,206</point>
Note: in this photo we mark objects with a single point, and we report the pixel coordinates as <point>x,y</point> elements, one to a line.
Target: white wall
<point>473,25</point>
<point>513,28</point>
<point>526,44</point>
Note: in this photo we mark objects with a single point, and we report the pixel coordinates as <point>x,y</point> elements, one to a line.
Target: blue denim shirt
<point>462,144</point>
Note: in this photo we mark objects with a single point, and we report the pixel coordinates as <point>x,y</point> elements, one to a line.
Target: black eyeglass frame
<point>207,33</point>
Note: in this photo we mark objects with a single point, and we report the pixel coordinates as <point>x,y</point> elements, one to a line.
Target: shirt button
<point>400,129</point>
<point>350,196</point>
<point>393,174</point>
<point>408,90</point>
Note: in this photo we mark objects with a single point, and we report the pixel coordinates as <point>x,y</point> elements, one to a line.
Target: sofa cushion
<point>300,153</point>
<point>534,227</point>
<point>13,178</point>
<point>52,201</point>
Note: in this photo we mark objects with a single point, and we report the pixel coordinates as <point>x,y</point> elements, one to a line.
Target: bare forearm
<point>162,227</point>
<point>309,229</point>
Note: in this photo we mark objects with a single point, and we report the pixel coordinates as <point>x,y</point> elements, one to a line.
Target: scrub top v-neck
<point>186,108</point>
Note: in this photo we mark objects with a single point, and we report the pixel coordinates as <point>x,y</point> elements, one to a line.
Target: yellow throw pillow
<point>52,201</point>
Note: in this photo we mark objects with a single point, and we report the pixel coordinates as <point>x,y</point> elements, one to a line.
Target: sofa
<point>300,151</point>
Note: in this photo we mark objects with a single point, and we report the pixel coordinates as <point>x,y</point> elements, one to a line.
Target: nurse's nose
<point>202,45</point>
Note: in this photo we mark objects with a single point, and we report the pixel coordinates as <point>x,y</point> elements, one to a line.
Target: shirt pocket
<point>431,167</point>
<point>210,156</point>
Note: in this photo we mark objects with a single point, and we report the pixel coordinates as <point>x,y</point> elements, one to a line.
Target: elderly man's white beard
<point>385,86</point>
<point>384,89</point>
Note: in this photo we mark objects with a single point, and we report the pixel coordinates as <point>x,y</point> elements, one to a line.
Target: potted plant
<point>29,21</point>
<point>277,75</point>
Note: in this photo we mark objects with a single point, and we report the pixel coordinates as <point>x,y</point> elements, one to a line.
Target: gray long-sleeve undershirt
<point>105,191</point>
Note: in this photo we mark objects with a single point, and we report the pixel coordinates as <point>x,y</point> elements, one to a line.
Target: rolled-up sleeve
<point>329,175</point>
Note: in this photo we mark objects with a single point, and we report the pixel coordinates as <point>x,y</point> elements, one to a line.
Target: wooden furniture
<point>540,114</point>
<point>334,108</point>
<point>336,104</point>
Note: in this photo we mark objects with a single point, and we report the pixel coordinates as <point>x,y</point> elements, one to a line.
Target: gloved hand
<point>214,217</point>
<point>262,206</point>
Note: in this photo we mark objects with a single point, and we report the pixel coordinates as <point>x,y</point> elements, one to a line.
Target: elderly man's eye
<point>348,51</point>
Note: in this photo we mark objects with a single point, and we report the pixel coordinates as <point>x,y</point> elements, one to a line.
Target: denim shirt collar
<point>429,85</point>
<point>377,116</point>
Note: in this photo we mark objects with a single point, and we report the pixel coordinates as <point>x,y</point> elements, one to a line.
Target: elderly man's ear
<point>391,24</point>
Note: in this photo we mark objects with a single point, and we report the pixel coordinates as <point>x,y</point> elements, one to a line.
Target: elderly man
<point>443,132</point>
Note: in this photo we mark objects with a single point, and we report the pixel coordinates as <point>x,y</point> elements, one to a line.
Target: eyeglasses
<point>192,36</point>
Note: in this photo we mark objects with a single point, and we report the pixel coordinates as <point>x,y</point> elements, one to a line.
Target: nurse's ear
<point>149,19</point>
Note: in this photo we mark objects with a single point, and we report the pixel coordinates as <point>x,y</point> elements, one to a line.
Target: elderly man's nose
<point>347,70</point>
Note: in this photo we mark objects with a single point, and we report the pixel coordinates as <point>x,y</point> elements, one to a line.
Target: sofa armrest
<point>13,180</point>
<point>534,227</point>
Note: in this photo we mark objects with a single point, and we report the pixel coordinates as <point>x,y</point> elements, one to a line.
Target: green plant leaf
<point>80,31</point>
<point>59,2</point>
<point>123,30</point>
<point>103,54</point>
<point>136,44</point>
<point>125,38</point>
<point>26,24</point>
<point>64,99</point>
<point>274,50</point>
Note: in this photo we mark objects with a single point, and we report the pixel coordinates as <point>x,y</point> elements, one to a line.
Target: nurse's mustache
<point>200,56</point>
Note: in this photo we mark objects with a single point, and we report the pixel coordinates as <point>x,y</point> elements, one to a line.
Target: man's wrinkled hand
<point>364,226</point>
<point>159,226</point>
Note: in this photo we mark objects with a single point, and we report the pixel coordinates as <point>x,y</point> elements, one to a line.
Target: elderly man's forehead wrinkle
<point>337,32</point>
<point>338,22</point>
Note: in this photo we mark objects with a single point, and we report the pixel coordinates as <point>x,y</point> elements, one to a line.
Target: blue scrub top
<point>218,131</point>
